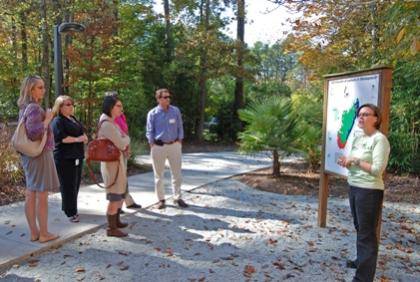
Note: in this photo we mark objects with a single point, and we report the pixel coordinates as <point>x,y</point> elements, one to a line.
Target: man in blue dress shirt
<point>164,133</point>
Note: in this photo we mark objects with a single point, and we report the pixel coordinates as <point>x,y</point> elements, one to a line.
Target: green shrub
<point>404,131</point>
<point>307,106</point>
<point>10,168</point>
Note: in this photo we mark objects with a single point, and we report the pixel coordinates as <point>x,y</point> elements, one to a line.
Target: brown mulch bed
<point>295,179</point>
<point>11,193</point>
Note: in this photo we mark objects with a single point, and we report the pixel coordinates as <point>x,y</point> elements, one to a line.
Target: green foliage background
<point>125,48</point>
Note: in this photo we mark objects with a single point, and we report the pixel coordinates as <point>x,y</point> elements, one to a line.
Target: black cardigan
<point>62,128</point>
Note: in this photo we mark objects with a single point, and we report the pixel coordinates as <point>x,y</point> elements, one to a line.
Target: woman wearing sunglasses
<point>68,153</point>
<point>366,163</point>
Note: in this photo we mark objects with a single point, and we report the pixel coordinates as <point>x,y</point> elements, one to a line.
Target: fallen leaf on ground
<point>249,270</point>
<point>33,262</point>
<point>272,241</point>
<point>124,267</point>
<point>80,269</point>
<point>279,265</point>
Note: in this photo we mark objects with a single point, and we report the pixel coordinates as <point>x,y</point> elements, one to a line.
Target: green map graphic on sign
<point>347,122</point>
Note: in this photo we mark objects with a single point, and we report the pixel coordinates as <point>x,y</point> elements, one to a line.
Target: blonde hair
<point>28,83</point>
<point>59,103</point>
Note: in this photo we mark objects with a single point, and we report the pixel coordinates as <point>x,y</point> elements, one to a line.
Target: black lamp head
<point>65,27</point>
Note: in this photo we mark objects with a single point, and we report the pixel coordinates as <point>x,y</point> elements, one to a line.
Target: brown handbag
<point>102,150</point>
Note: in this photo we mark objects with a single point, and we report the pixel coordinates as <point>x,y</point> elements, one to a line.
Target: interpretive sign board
<point>345,96</point>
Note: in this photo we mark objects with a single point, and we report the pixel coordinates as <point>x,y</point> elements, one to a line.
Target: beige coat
<point>109,130</point>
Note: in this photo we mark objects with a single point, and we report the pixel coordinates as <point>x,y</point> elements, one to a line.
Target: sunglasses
<point>68,104</point>
<point>166,97</point>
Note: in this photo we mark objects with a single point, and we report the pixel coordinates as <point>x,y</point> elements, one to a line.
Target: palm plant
<point>307,105</point>
<point>270,125</point>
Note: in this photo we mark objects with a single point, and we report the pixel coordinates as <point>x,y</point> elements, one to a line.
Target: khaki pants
<point>159,155</point>
<point>128,200</point>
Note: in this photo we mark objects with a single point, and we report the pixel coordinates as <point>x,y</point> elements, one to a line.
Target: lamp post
<point>58,63</point>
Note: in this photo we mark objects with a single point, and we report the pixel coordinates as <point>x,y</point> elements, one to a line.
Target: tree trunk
<point>45,59</point>
<point>168,32</point>
<point>205,15</point>
<point>276,164</point>
<point>240,44</point>
<point>24,38</point>
<point>14,79</point>
<point>115,29</point>
<point>14,40</point>
<point>374,31</point>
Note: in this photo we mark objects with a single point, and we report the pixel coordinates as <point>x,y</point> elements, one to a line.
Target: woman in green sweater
<point>366,163</point>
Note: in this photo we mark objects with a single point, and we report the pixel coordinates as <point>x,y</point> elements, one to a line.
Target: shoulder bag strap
<point>93,177</point>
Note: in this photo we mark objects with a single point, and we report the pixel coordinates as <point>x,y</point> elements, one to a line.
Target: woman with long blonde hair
<point>68,153</point>
<point>40,172</point>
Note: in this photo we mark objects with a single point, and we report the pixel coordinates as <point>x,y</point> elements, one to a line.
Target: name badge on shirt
<point>77,162</point>
<point>171,121</point>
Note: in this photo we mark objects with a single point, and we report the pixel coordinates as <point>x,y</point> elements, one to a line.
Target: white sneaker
<point>74,218</point>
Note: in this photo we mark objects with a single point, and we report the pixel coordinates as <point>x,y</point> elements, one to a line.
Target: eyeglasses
<point>166,97</point>
<point>364,115</point>
<point>118,105</point>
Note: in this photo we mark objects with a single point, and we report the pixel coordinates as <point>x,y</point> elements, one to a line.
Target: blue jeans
<point>366,209</point>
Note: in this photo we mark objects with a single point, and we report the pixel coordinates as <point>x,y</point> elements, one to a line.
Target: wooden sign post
<point>343,94</point>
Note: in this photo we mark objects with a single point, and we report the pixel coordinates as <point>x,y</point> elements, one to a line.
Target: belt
<point>161,143</point>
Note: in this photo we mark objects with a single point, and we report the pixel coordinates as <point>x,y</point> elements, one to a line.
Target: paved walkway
<point>198,169</point>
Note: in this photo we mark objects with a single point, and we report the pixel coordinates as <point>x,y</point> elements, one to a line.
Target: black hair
<point>108,104</point>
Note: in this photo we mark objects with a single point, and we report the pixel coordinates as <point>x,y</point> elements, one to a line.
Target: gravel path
<point>232,233</point>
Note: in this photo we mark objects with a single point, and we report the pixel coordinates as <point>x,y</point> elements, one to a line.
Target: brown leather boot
<point>112,229</point>
<point>119,223</point>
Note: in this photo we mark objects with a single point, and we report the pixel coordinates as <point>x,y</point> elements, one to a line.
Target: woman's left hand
<point>127,152</point>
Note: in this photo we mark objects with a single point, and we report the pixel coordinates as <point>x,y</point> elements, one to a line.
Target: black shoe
<point>181,203</point>
<point>134,206</point>
<point>351,264</point>
<point>161,204</point>
<point>121,211</point>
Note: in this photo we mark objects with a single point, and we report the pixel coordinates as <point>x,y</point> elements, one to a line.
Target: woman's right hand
<point>342,161</point>
<point>48,116</point>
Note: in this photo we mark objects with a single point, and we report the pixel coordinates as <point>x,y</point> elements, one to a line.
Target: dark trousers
<point>70,176</point>
<point>366,209</point>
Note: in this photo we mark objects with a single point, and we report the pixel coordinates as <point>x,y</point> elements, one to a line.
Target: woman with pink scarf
<point>121,122</point>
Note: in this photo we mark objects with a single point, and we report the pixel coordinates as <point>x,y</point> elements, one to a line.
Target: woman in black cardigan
<point>68,153</point>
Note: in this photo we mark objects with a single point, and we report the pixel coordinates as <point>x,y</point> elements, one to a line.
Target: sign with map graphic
<point>345,95</point>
